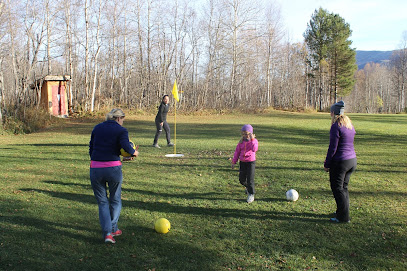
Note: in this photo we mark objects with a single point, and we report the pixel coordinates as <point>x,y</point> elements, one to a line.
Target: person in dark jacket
<point>340,160</point>
<point>105,143</point>
<point>161,122</point>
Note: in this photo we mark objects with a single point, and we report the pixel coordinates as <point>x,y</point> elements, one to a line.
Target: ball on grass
<point>124,153</point>
<point>292,195</point>
<point>162,225</point>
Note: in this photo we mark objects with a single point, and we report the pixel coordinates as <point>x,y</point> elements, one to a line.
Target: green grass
<point>49,217</point>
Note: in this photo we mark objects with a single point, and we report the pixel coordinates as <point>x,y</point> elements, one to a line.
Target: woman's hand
<point>126,159</point>
<point>135,154</point>
<point>326,169</point>
<point>233,166</point>
<point>162,123</point>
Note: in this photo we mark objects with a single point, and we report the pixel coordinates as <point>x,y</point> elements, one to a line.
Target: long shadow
<point>51,229</point>
<point>191,210</point>
<point>380,118</point>
<point>46,252</point>
<point>222,196</point>
<point>265,132</point>
<point>87,186</point>
<point>54,145</point>
<point>18,158</point>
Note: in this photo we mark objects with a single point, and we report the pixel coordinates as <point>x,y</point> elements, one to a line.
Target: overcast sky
<point>375,24</point>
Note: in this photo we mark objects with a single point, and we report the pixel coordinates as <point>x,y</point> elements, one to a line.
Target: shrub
<point>28,120</point>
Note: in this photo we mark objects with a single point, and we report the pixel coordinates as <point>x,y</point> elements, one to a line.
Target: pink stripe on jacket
<point>246,151</point>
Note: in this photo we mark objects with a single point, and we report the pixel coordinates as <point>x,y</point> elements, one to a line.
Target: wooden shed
<point>54,94</point>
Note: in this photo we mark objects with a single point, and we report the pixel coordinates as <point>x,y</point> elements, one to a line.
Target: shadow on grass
<point>54,145</point>
<point>205,196</point>
<point>190,210</point>
<point>37,244</point>
<point>49,229</point>
<point>384,118</point>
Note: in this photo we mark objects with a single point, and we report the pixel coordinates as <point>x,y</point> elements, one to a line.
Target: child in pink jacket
<point>246,153</point>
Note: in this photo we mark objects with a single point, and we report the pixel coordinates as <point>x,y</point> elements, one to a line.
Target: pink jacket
<point>246,151</point>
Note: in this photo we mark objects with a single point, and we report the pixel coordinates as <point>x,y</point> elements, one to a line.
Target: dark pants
<point>246,175</point>
<point>339,175</point>
<point>160,129</point>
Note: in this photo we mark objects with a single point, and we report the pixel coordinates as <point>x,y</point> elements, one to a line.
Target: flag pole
<point>175,127</point>
<point>176,98</point>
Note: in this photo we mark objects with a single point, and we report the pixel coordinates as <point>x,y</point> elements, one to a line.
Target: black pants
<point>339,175</point>
<point>246,175</point>
<point>160,129</point>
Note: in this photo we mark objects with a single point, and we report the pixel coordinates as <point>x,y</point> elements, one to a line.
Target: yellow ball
<point>124,153</point>
<point>162,225</point>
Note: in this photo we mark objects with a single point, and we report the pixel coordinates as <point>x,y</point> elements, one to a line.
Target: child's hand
<point>252,136</point>
<point>233,166</point>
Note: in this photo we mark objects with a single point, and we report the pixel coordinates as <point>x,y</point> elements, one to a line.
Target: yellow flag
<point>175,91</point>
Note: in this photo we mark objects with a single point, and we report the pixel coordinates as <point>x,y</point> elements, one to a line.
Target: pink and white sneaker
<point>117,233</point>
<point>109,239</point>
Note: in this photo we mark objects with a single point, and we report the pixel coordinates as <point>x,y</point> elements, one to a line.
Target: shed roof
<point>57,78</point>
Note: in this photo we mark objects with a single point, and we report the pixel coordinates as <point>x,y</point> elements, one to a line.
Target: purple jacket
<point>340,144</point>
<point>246,151</point>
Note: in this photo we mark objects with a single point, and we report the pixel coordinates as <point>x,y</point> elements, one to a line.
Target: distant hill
<point>364,57</point>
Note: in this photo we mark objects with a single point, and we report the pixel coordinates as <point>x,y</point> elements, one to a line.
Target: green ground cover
<point>49,219</point>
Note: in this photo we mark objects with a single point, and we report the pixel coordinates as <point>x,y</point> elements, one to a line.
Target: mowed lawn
<point>49,216</point>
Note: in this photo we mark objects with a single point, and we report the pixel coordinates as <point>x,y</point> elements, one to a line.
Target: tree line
<point>223,53</point>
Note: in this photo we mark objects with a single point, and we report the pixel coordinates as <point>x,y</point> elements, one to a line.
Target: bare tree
<point>272,38</point>
<point>399,62</point>
<point>95,58</point>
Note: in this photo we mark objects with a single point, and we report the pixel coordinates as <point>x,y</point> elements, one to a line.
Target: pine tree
<point>341,57</point>
<point>316,37</point>
<point>326,37</point>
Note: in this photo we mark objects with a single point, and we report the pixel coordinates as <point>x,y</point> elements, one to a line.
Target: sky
<point>377,25</point>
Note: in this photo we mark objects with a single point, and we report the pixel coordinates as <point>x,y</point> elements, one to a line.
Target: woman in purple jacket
<point>340,160</point>
<point>105,143</point>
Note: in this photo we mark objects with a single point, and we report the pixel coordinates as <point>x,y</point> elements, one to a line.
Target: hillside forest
<point>224,54</point>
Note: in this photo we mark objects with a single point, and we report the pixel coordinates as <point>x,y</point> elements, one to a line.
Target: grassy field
<point>49,216</point>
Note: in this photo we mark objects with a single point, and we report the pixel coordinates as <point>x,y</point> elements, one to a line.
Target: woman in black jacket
<point>161,122</point>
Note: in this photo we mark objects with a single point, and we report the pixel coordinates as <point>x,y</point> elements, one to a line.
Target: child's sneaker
<point>109,239</point>
<point>117,233</point>
<point>250,198</point>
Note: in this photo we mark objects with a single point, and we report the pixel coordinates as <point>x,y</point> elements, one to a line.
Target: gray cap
<point>338,108</point>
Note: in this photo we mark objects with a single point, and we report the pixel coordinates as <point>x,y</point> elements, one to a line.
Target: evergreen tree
<point>341,57</point>
<point>327,41</point>
<point>317,40</point>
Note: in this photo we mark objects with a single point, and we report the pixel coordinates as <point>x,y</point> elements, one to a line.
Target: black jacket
<point>162,112</point>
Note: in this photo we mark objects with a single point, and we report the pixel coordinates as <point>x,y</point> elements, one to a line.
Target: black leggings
<point>246,175</point>
<point>339,175</point>
<point>160,129</point>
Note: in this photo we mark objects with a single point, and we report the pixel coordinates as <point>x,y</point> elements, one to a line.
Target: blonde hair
<point>115,114</point>
<point>342,120</point>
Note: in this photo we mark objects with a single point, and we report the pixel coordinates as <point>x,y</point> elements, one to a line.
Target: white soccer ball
<point>292,195</point>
